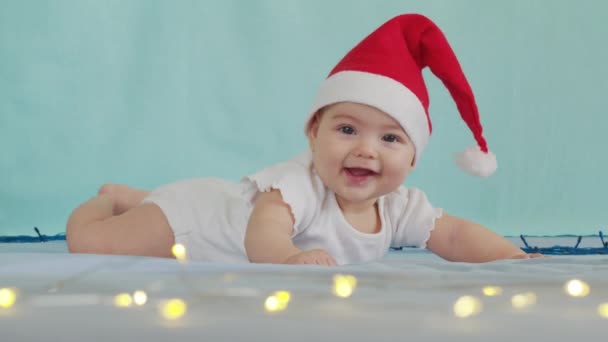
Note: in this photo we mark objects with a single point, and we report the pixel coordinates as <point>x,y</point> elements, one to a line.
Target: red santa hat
<point>385,71</point>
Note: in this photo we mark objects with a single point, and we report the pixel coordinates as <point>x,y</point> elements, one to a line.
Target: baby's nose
<point>365,150</point>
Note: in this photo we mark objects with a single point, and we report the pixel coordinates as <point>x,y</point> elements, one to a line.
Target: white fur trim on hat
<point>381,92</point>
<point>477,163</point>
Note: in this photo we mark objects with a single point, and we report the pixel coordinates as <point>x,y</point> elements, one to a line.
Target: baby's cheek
<point>397,172</point>
<point>327,156</point>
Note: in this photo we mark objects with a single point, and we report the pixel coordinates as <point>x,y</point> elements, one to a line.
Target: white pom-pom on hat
<point>476,162</point>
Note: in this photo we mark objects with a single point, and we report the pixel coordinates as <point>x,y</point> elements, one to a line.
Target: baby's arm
<point>457,239</point>
<point>268,236</point>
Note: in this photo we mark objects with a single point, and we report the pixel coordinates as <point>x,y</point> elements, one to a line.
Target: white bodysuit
<point>209,215</point>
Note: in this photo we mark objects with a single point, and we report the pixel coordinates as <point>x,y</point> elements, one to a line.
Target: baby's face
<point>359,151</point>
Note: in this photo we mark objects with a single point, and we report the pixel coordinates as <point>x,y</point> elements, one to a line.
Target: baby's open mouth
<point>359,172</point>
<point>357,175</point>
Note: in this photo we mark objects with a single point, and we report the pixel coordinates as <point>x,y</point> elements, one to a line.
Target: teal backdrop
<point>145,92</point>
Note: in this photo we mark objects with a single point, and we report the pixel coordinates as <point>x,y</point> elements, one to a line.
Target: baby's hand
<point>312,257</point>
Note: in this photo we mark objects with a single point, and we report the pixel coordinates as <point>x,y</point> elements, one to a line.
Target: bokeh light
<point>123,300</point>
<point>283,296</point>
<point>271,304</point>
<point>523,300</point>
<point>467,306</point>
<point>173,309</point>
<point>140,297</point>
<point>179,251</point>
<point>344,285</point>
<point>8,297</point>
<point>277,301</point>
<point>577,288</point>
<point>492,291</point>
<point>602,310</point>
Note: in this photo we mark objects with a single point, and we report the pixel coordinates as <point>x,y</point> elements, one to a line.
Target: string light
<point>140,297</point>
<point>8,297</point>
<point>523,300</point>
<point>277,301</point>
<point>467,306</point>
<point>344,285</point>
<point>271,304</point>
<point>173,309</point>
<point>577,288</point>
<point>179,251</point>
<point>602,310</point>
<point>123,300</point>
<point>283,296</point>
<point>492,291</point>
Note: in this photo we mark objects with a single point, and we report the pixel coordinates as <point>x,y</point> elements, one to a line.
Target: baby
<point>340,202</point>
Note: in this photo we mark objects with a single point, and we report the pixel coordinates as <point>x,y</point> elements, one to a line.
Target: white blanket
<point>408,295</point>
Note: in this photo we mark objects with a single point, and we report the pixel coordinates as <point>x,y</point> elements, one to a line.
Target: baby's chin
<point>356,197</point>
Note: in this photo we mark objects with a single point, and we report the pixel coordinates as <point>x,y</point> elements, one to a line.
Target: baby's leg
<point>113,223</point>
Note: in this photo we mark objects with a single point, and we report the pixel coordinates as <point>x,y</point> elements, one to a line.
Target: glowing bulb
<point>602,310</point>
<point>8,296</point>
<point>492,291</point>
<point>140,297</point>
<point>467,306</point>
<point>277,302</point>
<point>344,285</point>
<point>522,300</point>
<point>272,304</point>
<point>123,300</point>
<point>283,296</point>
<point>179,251</point>
<point>577,288</point>
<point>173,309</point>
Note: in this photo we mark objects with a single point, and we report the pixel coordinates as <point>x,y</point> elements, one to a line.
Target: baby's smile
<point>358,175</point>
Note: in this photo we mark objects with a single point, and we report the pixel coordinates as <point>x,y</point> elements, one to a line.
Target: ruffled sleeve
<point>412,217</point>
<point>300,188</point>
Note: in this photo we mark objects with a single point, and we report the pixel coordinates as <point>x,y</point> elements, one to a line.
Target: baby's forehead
<point>361,113</point>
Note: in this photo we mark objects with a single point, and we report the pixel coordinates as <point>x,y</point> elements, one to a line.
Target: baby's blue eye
<point>347,130</point>
<point>390,138</point>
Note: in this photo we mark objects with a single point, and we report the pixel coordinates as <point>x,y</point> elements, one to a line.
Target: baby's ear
<point>412,164</point>
<point>313,127</point>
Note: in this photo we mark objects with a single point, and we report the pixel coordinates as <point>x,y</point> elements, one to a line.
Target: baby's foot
<point>123,196</point>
